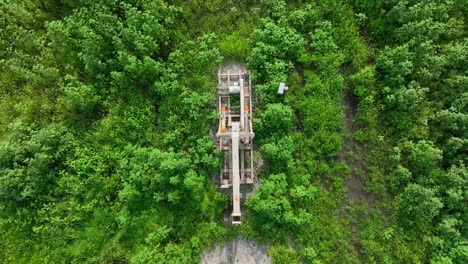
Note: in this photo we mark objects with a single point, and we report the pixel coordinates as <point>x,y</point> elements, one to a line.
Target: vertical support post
<point>242,121</point>
<point>242,164</point>
<point>236,213</point>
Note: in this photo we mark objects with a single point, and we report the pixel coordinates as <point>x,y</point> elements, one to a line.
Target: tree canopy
<point>106,110</point>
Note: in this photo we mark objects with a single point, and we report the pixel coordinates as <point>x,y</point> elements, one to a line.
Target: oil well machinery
<point>235,134</point>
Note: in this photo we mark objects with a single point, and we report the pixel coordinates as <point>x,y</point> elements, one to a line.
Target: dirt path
<point>237,251</point>
<point>352,155</point>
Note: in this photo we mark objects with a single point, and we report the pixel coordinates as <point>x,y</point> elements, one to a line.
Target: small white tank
<point>235,89</point>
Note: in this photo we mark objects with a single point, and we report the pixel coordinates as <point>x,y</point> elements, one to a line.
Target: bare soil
<point>238,251</point>
<point>353,155</point>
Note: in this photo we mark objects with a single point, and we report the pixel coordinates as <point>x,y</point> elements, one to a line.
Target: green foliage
<point>425,157</point>
<point>278,154</point>
<point>273,48</point>
<point>31,162</point>
<point>274,213</point>
<point>275,121</point>
<point>416,42</point>
<point>419,205</point>
<point>400,177</point>
<point>106,108</point>
<point>88,172</point>
<point>302,45</point>
<point>273,44</point>
<point>282,255</point>
<point>235,45</point>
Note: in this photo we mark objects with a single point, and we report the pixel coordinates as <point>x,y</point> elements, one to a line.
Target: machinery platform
<point>235,134</point>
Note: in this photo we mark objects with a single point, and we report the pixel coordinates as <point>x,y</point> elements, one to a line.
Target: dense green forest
<point>106,109</point>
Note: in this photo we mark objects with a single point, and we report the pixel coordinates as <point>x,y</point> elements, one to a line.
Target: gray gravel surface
<point>237,251</point>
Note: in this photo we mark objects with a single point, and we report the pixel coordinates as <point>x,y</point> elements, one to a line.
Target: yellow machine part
<point>223,126</point>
